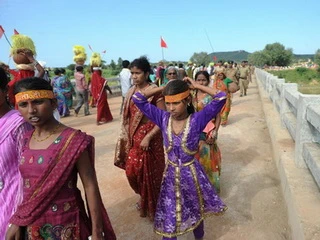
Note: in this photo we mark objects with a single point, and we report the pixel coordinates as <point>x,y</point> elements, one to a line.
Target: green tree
<point>259,58</point>
<point>119,65</point>
<point>278,55</point>
<point>200,58</point>
<point>317,57</point>
<point>273,54</point>
<point>104,64</point>
<point>113,65</point>
<point>71,66</point>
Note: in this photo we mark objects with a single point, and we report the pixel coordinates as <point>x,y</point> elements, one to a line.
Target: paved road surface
<point>250,182</point>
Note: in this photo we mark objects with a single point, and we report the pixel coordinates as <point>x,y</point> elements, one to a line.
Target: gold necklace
<point>50,134</point>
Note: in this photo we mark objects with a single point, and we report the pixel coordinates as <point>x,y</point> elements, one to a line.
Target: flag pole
<point>162,54</point>
<point>209,40</point>
<point>7,39</point>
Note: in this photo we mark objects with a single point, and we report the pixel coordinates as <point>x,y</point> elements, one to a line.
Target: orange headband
<point>178,97</point>
<point>33,94</point>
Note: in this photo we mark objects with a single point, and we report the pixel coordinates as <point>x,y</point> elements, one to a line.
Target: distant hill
<point>303,56</point>
<point>236,56</point>
<point>241,55</point>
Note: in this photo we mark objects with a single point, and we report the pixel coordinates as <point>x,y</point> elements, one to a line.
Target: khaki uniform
<point>232,74</point>
<point>244,78</point>
<point>252,68</point>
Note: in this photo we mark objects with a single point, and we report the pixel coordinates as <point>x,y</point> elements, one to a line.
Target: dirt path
<point>249,182</point>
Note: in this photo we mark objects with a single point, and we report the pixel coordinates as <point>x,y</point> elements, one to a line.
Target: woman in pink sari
<point>12,128</point>
<point>52,157</point>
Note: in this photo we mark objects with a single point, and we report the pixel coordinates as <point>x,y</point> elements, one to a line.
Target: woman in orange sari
<point>222,83</point>
<point>99,94</point>
<point>139,150</point>
<point>208,154</point>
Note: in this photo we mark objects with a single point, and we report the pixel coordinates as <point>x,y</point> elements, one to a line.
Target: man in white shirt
<point>125,80</point>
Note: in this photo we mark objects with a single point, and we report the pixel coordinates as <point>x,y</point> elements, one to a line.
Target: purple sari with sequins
<point>186,194</point>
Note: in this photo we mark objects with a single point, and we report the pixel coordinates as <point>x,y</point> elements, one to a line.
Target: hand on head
<point>26,52</point>
<point>192,84</point>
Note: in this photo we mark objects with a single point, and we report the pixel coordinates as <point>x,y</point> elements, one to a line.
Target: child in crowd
<point>186,195</point>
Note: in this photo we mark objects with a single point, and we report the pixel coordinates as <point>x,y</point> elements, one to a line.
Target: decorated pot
<point>80,62</point>
<point>20,58</point>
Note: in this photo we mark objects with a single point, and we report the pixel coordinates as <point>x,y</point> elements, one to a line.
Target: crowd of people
<point>170,119</point>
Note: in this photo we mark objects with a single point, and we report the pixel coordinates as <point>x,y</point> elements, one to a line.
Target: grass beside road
<point>308,80</point>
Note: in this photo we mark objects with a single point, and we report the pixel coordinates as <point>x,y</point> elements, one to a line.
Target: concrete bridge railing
<point>300,115</point>
<point>115,86</point>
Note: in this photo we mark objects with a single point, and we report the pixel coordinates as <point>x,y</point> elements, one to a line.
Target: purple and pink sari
<point>52,206</point>
<point>12,128</point>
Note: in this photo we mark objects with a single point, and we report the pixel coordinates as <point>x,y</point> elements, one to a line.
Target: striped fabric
<point>12,128</point>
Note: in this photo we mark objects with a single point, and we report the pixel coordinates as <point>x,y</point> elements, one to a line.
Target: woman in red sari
<point>140,147</point>
<point>99,94</point>
<point>52,157</point>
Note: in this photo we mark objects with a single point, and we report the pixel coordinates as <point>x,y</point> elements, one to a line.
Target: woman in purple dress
<point>186,195</point>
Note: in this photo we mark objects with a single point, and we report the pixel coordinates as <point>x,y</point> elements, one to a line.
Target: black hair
<point>143,64</point>
<point>4,80</point>
<point>32,83</point>
<point>57,71</point>
<point>205,73</point>
<point>174,87</point>
<point>62,70</point>
<point>125,63</point>
<point>79,68</point>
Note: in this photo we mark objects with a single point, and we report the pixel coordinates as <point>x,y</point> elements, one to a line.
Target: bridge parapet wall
<point>300,115</point>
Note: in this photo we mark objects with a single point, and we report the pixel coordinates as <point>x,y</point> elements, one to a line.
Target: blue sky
<point>129,29</point>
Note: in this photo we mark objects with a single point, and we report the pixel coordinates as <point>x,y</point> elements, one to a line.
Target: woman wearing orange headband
<point>186,195</point>
<point>51,158</point>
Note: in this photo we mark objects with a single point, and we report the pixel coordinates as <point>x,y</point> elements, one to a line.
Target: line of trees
<point>272,55</point>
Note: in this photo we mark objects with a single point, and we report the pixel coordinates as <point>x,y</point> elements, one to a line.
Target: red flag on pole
<point>1,31</point>
<point>90,47</point>
<point>163,44</point>
<point>15,32</point>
